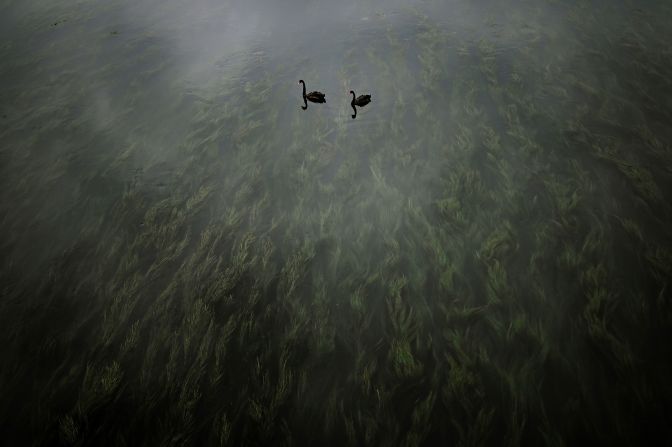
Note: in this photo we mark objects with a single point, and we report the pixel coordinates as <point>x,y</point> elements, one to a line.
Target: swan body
<point>312,96</point>
<point>361,100</point>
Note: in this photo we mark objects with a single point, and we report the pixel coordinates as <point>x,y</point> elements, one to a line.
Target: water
<point>483,253</point>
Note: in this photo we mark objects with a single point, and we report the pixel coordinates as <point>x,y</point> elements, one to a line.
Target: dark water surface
<point>482,257</point>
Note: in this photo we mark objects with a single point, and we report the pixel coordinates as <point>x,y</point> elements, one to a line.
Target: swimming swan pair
<point>319,97</point>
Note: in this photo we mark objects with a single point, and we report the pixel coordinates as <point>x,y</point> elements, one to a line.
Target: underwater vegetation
<point>483,258</point>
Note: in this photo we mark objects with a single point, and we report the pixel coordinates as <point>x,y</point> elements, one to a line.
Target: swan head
<point>301,81</point>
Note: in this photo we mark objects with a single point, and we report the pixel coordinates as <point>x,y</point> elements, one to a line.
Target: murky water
<point>482,253</point>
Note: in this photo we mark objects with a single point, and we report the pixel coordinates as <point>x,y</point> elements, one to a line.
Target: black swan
<point>361,100</point>
<point>312,96</point>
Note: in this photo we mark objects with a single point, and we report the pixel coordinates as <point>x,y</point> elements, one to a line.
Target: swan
<point>312,96</point>
<point>361,100</point>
